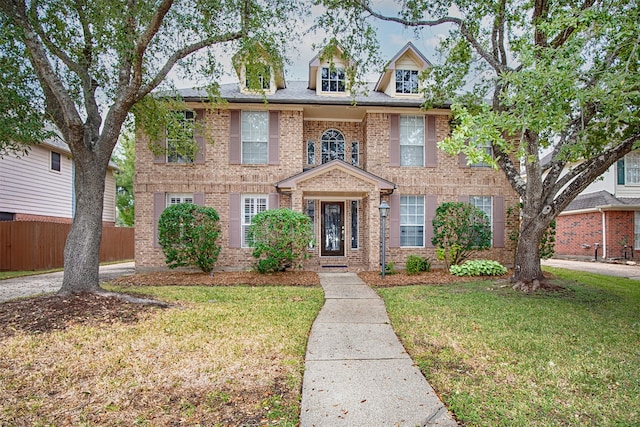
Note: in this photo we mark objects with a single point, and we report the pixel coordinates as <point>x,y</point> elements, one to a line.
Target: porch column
<point>296,201</point>
<point>373,236</point>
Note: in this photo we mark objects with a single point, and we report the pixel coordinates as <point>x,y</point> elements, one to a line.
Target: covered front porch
<point>342,201</point>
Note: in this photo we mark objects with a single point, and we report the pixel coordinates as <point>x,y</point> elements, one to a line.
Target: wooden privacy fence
<point>34,245</point>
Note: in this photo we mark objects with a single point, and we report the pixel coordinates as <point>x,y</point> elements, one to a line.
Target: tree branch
<point>493,62</point>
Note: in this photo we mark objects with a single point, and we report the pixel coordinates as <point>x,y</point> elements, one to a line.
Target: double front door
<point>332,229</point>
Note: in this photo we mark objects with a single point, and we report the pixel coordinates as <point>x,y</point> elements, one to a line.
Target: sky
<point>392,38</point>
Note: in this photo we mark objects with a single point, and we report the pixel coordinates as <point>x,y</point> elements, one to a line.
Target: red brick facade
<point>577,234</point>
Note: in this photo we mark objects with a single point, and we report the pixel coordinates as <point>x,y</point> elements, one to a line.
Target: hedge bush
<point>280,238</point>
<point>480,267</point>
<point>416,264</point>
<point>188,236</point>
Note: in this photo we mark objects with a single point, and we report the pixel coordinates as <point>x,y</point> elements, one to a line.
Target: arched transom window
<point>332,145</point>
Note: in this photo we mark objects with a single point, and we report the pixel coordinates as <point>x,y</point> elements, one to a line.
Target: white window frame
<point>412,130</point>
<point>51,156</point>
<point>488,150</point>
<point>409,82</point>
<point>257,136</point>
<point>485,204</point>
<point>188,119</point>
<point>335,75</point>
<point>310,211</point>
<point>260,203</point>
<point>331,137</point>
<point>311,152</point>
<point>632,169</point>
<point>355,153</point>
<point>177,198</point>
<point>264,77</point>
<point>636,230</point>
<point>412,216</point>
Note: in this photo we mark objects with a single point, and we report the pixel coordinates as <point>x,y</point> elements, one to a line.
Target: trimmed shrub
<point>459,229</point>
<point>188,236</point>
<point>280,238</point>
<point>416,264</point>
<point>479,267</point>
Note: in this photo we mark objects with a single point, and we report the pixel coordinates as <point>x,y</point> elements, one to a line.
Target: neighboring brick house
<point>39,186</point>
<point>313,149</point>
<point>606,214</point>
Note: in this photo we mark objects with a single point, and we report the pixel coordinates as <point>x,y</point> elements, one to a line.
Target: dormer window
<point>259,78</point>
<point>333,80</point>
<point>406,81</point>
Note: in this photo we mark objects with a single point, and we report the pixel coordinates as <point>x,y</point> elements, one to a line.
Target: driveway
<point>604,268</point>
<point>51,282</point>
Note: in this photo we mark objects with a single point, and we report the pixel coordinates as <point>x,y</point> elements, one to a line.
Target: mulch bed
<point>434,277</point>
<point>222,278</point>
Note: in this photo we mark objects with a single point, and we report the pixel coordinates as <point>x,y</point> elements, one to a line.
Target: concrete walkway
<point>36,284</point>
<point>356,371</point>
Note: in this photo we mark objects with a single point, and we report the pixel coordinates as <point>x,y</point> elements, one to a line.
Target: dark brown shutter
<point>199,135</point>
<point>431,204</point>
<point>198,199</point>
<point>394,221</point>
<point>462,158</point>
<point>274,138</point>
<point>463,199</point>
<point>430,142</point>
<point>498,222</point>
<point>159,203</point>
<point>235,220</point>
<point>394,139</point>
<point>274,200</point>
<point>235,143</point>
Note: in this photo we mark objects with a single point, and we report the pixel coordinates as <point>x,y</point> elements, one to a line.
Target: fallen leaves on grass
<point>50,313</point>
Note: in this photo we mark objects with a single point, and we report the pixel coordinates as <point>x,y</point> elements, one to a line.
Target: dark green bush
<point>480,267</point>
<point>459,229</point>
<point>188,236</point>
<point>280,238</point>
<point>416,264</point>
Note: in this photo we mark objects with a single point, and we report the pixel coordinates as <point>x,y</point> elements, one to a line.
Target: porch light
<point>384,212</point>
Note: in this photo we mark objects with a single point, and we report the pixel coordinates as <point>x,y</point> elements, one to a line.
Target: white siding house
<point>39,186</point>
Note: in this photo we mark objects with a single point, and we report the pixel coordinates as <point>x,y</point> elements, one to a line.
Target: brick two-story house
<point>315,148</point>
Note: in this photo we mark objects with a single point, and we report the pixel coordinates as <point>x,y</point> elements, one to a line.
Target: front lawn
<point>219,356</point>
<point>502,358</point>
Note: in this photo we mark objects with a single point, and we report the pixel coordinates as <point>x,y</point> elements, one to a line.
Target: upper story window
<point>259,78</point>
<point>629,169</point>
<point>255,137</point>
<point>406,81</point>
<point>333,80</point>
<point>332,145</point>
<point>355,153</point>
<point>180,142</point>
<point>488,152</point>
<point>55,161</point>
<point>411,141</point>
<point>311,152</point>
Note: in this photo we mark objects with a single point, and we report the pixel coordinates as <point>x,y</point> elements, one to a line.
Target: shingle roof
<point>297,92</point>
<point>601,199</point>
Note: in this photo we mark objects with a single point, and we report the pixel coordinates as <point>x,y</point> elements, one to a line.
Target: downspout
<point>604,235</point>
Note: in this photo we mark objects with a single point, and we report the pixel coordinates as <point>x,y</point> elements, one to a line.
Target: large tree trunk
<point>82,249</point>
<point>527,274</point>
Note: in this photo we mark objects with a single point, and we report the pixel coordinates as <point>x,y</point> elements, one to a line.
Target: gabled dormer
<point>328,72</point>
<point>258,70</point>
<point>401,77</point>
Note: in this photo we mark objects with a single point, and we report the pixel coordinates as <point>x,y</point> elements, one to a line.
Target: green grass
<point>502,358</point>
<point>220,356</point>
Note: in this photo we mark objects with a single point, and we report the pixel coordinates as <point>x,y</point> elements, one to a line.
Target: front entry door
<point>332,229</point>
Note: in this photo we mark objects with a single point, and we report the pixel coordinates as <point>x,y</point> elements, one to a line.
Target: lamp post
<point>384,211</point>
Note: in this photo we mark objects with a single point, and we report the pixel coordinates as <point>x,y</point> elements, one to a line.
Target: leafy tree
<point>124,158</point>
<point>560,75</point>
<point>459,230</point>
<point>83,66</point>
<point>188,235</point>
<point>280,239</point>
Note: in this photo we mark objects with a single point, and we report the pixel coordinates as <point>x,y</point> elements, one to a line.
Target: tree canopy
<point>80,67</point>
<point>528,78</point>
